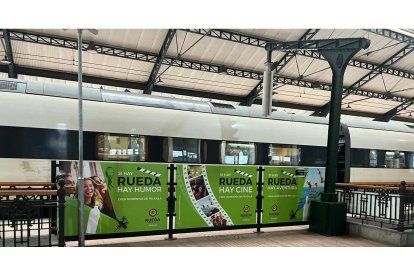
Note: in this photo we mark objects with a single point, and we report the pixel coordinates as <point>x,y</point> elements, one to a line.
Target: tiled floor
<point>292,236</point>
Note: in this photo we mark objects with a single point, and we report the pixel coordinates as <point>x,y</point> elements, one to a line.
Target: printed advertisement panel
<point>287,192</point>
<point>118,197</point>
<point>215,196</point>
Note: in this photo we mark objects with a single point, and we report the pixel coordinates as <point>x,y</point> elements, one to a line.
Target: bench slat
<point>27,193</point>
<point>31,184</point>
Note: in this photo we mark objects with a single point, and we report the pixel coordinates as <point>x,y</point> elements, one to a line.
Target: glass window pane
<point>184,150</point>
<point>239,153</point>
<point>373,158</point>
<point>284,155</point>
<point>121,147</point>
<point>395,159</point>
<point>411,160</point>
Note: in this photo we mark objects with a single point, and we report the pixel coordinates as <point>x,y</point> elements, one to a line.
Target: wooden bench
<point>27,186</point>
<point>380,183</point>
<point>28,193</point>
<point>375,185</point>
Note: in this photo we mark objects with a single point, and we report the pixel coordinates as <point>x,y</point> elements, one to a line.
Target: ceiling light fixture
<point>5,61</point>
<point>160,82</point>
<point>91,48</point>
<point>348,106</point>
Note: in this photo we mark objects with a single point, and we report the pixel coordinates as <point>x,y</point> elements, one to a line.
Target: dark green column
<point>328,216</point>
<point>338,60</point>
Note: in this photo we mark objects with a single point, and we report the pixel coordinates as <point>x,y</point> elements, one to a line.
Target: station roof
<point>223,66</point>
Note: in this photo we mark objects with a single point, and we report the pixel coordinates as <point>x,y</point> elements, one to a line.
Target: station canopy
<point>223,66</point>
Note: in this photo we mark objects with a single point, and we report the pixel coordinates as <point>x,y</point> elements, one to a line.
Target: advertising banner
<point>287,192</point>
<point>215,196</point>
<point>118,197</point>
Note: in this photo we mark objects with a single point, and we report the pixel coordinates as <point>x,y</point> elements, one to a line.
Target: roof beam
<point>142,56</point>
<point>249,99</point>
<point>9,53</point>
<point>324,110</point>
<point>250,40</point>
<point>393,112</point>
<point>392,34</point>
<point>69,76</point>
<point>181,63</point>
<point>231,36</point>
<point>131,54</point>
<point>161,55</point>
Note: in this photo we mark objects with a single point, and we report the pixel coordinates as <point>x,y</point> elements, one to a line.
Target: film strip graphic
<point>148,172</point>
<point>243,173</point>
<point>288,173</point>
<point>213,199</point>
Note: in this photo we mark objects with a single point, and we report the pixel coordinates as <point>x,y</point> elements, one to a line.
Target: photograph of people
<point>95,192</point>
<point>69,185</point>
<point>218,220</point>
<point>103,193</point>
<point>194,171</point>
<point>198,188</point>
<point>207,206</point>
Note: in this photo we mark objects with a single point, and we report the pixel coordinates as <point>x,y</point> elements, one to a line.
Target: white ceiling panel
<point>147,40</point>
<point>403,88</point>
<point>382,83</point>
<point>205,49</point>
<point>200,80</point>
<point>406,63</point>
<point>43,56</point>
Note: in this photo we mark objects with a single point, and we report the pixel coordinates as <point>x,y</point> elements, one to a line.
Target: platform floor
<point>292,236</point>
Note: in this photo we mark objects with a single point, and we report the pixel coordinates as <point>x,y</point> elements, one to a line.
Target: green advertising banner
<point>287,192</point>
<point>119,198</point>
<point>215,196</point>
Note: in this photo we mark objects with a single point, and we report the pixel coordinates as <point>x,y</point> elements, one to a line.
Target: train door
<point>343,165</point>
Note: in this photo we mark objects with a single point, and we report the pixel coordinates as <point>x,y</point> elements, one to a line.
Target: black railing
<point>27,217</point>
<point>386,206</point>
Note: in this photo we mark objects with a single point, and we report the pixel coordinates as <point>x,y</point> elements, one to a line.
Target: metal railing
<point>28,215</point>
<point>387,205</point>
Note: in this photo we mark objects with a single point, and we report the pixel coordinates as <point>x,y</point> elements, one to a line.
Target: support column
<point>172,184</point>
<point>267,86</point>
<point>259,199</point>
<point>328,216</point>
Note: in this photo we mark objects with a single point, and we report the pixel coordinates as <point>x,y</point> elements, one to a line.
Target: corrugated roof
<point>194,56</point>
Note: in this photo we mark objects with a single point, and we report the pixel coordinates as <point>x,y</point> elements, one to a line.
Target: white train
<point>39,122</point>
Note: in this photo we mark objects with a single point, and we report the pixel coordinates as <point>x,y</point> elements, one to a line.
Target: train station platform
<point>291,236</point>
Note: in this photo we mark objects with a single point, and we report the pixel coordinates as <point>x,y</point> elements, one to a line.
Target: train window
<point>373,158</point>
<point>395,159</point>
<point>410,160</point>
<point>312,156</point>
<point>361,158</point>
<point>121,147</point>
<point>284,155</point>
<point>240,153</point>
<point>183,150</point>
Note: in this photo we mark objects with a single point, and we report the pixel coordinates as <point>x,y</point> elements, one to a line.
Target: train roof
<point>95,94</point>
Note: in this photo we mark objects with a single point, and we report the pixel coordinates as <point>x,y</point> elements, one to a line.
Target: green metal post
<point>328,216</point>
<point>338,60</point>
